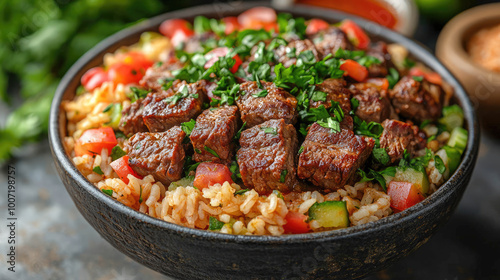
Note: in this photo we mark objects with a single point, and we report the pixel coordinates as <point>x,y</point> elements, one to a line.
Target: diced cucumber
<point>184,182</point>
<point>330,214</point>
<point>453,116</point>
<point>413,176</point>
<point>458,139</point>
<point>115,114</point>
<point>454,157</point>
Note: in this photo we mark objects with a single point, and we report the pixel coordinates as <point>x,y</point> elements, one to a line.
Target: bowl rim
<point>417,50</point>
<point>452,37</point>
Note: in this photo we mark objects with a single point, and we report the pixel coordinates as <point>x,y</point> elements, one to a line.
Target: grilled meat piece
<point>275,104</point>
<point>335,91</point>
<point>180,103</point>
<point>267,157</point>
<point>288,54</point>
<point>330,160</point>
<point>379,51</point>
<point>400,136</point>
<point>214,131</point>
<point>131,121</point>
<point>330,40</point>
<point>160,154</point>
<point>156,76</point>
<point>374,105</point>
<point>416,100</point>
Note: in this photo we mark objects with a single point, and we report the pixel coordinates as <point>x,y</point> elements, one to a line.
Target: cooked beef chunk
<point>288,54</point>
<point>400,136</point>
<point>160,154</point>
<point>275,104</point>
<point>180,103</point>
<point>335,91</point>
<point>417,101</point>
<point>214,131</point>
<point>374,106</point>
<point>155,76</point>
<point>330,160</point>
<point>379,51</point>
<point>267,156</point>
<point>330,40</point>
<point>131,121</point>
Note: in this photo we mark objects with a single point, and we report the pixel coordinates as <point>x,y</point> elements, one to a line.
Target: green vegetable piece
<point>238,134</point>
<point>214,224</point>
<point>240,192</point>
<point>330,123</point>
<point>98,170</point>
<point>140,195</point>
<point>183,182</point>
<point>458,139</point>
<point>115,114</point>
<point>454,158</point>
<point>453,116</point>
<point>262,93</point>
<point>278,194</point>
<point>117,152</point>
<point>413,176</point>
<point>330,214</point>
<point>439,164</point>
<point>206,148</point>
<point>108,192</point>
<point>188,127</point>
<point>393,77</point>
<point>269,130</point>
<point>283,175</point>
<point>380,154</point>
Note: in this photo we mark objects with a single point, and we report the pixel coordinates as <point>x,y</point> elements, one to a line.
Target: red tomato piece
<point>209,173</point>
<point>169,27</point>
<point>432,77</point>
<point>296,223</point>
<point>93,141</point>
<point>213,55</point>
<point>355,34</point>
<point>354,70</point>
<point>381,83</point>
<point>94,78</point>
<point>403,195</point>
<point>316,25</point>
<point>123,169</point>
<point>231,24</point>
<point>257,18</point>
<point>129,69</point>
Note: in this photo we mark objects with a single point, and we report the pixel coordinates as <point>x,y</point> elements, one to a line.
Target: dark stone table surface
<point>53,241</point>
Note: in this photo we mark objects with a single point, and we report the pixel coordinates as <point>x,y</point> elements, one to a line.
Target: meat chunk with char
<point>416,100</point>
<point>160,154</point>
<point>288,54</point>
<point>399,136</point>
<point>336,91</point>
<point>330,40</point>
<point>214,131</point>
<point>379,51</point>
<point>156,76</point>
<point>180,103</point>
<point>330,159</point>
<point>374,105</point>
<point>275,104</point>
<point>131,121</point>
<point>267,157</point>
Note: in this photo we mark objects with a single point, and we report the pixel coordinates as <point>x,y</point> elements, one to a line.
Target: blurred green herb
<point>40,40</point>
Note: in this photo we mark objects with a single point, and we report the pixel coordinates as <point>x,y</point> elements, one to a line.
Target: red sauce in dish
<point>369,9</point>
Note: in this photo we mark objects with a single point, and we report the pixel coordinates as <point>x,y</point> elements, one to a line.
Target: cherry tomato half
<point>257,18</point>
<point>231,24</point>
<point>94,78</point>
<point>123,169</point>
<point>403,195</point>
<point>296,223</point>
<point>93,141</point>
<point>209,173</point>
<point>355,34</point>
<point>316,25</point>
<point>354,70</point>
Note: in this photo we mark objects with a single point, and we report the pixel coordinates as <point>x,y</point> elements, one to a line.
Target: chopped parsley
<point>377,175</point>
<point>301,149</point>
<point>214,224</point>
<point>439,164</point>
<point>181,94</point>
<point>188,127</point>
<point>108,192</point>
<point>330,123</point>
<point>235,171</point>
<point>140,195</point>
<point>318,96</point>
<point>418,78</point>
<point>238,134</point>
<point>240,192</point>
<point>278,194</point>
<point>137,93</point>
<point>98,170</point>
<point>283,175</point>
<point>117,152</point>
<point>206,148</point>
<point>262,93</point>
<point>269,130</point>
<point>393,77</point>
<point>380,154</point>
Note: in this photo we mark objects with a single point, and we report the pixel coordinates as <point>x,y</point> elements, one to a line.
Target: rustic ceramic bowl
<point>482,84</point>
<point>196,254</point>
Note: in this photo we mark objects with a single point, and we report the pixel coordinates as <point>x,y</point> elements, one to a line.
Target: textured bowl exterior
<point>196,254</point>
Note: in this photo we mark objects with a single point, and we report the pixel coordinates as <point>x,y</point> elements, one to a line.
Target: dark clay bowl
<point>196,254</point>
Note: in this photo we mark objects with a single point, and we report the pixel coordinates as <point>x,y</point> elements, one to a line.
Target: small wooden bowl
<point>482,85</point>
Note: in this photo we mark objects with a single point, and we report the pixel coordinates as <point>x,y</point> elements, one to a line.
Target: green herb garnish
<point>98,170</point>
<point>206,148</point>
<point>214,224</point>
<point>117,152</point>
<point>108,192</point>
<point>283,175</point>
